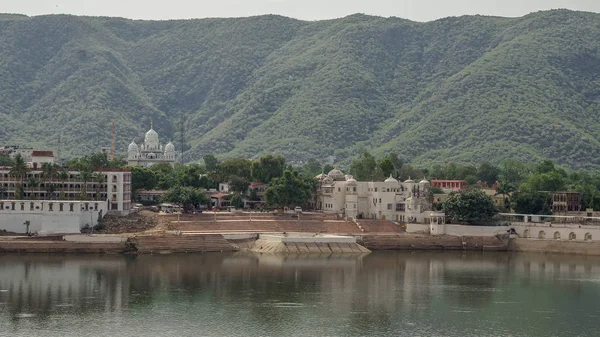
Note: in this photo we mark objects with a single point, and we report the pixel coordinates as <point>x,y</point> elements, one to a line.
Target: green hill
<point>466,89</point>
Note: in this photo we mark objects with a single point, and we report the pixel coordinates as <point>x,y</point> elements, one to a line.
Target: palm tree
<point>85,176</point>
<point>33,184</point>
<point>62,176</point>
<point>505,190</point>
<point>100,179</point>
<point>49,171</point>
<point>19,170</point>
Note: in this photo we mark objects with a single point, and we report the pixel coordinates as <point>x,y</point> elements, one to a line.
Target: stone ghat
<point>302,244</point>
<point>61,247</point>
<point>266,222</point>
<point>172,244</point>
<point>427,242</point>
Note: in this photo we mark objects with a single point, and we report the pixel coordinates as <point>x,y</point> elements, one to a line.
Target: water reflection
<point>376,294</point>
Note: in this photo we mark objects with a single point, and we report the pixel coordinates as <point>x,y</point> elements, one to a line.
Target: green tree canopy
<point>187,196</point>
<point>289,190</point>
<point>469,206</point>
<point>267,167</point>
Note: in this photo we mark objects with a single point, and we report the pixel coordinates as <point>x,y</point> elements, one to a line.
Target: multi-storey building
<point>406,201</point>
<point>54,203</point>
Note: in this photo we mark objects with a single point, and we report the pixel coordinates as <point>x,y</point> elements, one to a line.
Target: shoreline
<point>182,243</point>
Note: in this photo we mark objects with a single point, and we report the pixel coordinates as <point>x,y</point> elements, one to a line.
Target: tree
<point>469,206</point>
<point>62,176</point>
<point>142,178</point>
<point>327,168</point>
<point>210,163</point>
<point>19,170</point>
<point>551,181</point>
<point>33,184</point>
<point>488,173</point>
<point>386,166</point>
<point>505,190</point>
<point>27,223</point>
<point>514,171</point>
<point>6,161</point>
<point>189,197</point>
<point>365,168</point>
<point>531,202</point>
<point>85,176</point>
<point>234,167</point>
<point>238,184</point>
<point>49,171</point>
<point>312,167</point>
<point>396,161</point>
<point>288,190</point>
<point>100,179</point>
<point>266,168</point>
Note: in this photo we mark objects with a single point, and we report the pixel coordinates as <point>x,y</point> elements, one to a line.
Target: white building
<point>150,152</point>
<point>55,205</point>
<point>406,202</point>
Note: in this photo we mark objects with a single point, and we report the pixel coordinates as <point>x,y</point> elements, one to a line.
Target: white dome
<point>391,180</point>
<point>133,147</point>
<point>336,174</point>
<point>151,136</point>
<point>170,147</point>
<point>327,180</point>
<point>351,181</point>
<point>424,181</point>
<point>409,181</point>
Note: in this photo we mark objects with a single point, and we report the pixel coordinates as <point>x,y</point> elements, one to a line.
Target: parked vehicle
<point>298,209</point>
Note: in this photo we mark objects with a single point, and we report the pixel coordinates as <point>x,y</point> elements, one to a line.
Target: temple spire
<point>151,128</point>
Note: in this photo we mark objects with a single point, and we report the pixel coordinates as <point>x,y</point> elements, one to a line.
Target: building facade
<point>450,185</point>
<point>151,152</point>
<point>59,204</point>
<point>405,202</point>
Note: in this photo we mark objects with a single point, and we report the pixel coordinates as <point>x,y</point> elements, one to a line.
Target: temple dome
<point>170,147</point>
<point>409,181</point>
<point>390,180</point>
<point>351,181</point>
<point>424,181</point>
<point>151,136</point>
<point>133,147</point>
<point>336,174</point>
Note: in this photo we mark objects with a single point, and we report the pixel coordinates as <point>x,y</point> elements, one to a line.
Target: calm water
<point>381,294</point>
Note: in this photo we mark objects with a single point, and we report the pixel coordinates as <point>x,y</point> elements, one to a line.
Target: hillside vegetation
<point>465,89</point>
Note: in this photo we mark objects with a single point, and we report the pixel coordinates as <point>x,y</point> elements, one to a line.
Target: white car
<point>298,209</point>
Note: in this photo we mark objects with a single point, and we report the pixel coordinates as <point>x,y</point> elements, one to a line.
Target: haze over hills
<point>466,89</point>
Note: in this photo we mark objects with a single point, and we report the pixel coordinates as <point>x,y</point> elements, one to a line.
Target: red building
<point>454,185</point>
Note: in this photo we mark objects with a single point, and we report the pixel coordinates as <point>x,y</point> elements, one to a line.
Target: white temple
<point>151,152</point>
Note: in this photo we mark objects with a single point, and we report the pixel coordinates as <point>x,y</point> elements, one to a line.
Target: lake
<point>379,294</point>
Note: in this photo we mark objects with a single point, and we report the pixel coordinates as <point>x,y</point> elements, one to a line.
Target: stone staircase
<point>172,244</point>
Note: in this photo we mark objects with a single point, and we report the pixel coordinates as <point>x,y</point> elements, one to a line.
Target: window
<point>379,200</point>
<point>354,205</point>
<point>389,206</point>
<point>339,189</point>
<point>354,189</point>
<point>375,189</point>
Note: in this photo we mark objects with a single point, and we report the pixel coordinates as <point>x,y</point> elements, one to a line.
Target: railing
<point>552,219</point>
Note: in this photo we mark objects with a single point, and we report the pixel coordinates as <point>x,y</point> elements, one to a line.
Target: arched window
<point>557,235</point>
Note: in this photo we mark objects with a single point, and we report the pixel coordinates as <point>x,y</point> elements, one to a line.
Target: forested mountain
<point>466,89</point>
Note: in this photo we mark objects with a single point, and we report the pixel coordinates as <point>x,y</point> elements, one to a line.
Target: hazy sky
<point>419,10</point>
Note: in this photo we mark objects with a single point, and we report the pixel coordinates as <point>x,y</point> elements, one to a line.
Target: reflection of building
<point>151,152</point>
<point>566,202</point>
<point>406,201</point>
<point>451,185</point>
